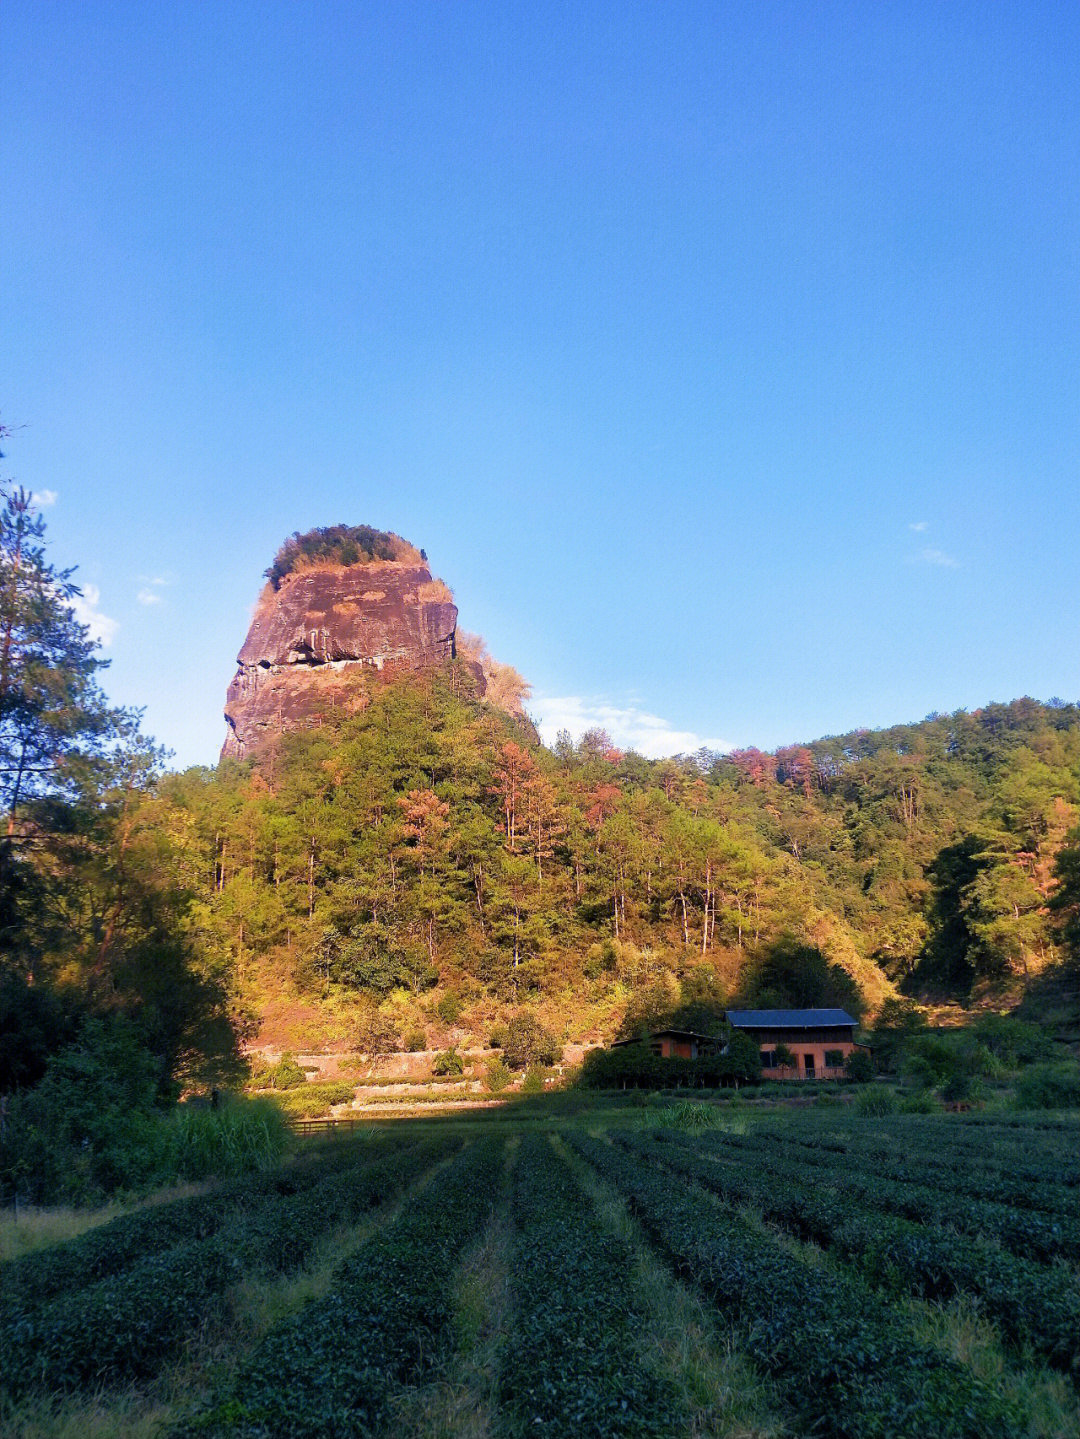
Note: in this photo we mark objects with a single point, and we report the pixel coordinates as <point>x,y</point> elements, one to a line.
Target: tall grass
<point>240,1136</point>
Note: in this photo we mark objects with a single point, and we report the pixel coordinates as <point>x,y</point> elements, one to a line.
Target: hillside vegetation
<point>424,864</point>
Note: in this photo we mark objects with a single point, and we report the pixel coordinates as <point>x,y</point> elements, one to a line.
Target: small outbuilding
<point>819,1040</point>
<point>678,1044</point>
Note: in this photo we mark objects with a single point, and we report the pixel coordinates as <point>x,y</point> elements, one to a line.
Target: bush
<point>1048,1086</point>
<point>496,1076</point>
<point>498,1037</point>
<point>859,1067</point>
<point>875,1102</point>
<point>93,1125</point>
<point>962,1088</point>
<point>286,1074</point>
<point>415,1041</point>
<point>314,1100</point>
<point>528,1043</point>
<point>448,1062</point>
<point>919,1104</point>
<point>533,1082</point>
<point>449,1008</point>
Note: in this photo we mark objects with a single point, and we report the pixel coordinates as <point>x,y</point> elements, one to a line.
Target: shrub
<point>498,1037</point>
<point>286,1074</point>
<point>448,1062</point>
<point>919,1104</point>
<point>962,1088</point>
<point>314,1100</point>
<point>496,1075</point>
<point>334,544</point>
<point>449,1008</point>
<point>1049,1086</point>
<point>93,1125</point>
<point>875,1102</point>
<point>528,1043</point>
<point>533,1082</point>
<point>859,1067</point>
<point>415,1041</point>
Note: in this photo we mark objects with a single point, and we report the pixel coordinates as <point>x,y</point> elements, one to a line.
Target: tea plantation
<point>603,1271</point>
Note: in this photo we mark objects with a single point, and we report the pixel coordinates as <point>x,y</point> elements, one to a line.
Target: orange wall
<point>801,1050</point>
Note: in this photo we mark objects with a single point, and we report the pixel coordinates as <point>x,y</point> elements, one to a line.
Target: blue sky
<point>724,357</point>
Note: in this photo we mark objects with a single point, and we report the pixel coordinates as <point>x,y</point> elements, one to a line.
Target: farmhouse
<point>677,1044</point>
<point>819,1040</point>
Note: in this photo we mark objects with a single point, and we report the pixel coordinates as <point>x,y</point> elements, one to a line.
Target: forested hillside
<point>425,864</point>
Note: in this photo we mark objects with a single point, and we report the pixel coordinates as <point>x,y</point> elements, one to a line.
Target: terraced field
<point>604,1274</point>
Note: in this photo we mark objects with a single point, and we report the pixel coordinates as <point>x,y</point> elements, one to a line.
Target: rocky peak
<point>320,624</point>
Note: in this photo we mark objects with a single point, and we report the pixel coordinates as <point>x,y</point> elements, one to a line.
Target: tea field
<point>660,1270</point>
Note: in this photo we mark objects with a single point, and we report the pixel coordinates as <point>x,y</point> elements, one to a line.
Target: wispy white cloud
<point>148,597</point>
<point>628,726</point>
<point>101,627</point>
<point>918,526</point>
<point>938,557</point>
<point>158,580</point>
<point>44,499</point>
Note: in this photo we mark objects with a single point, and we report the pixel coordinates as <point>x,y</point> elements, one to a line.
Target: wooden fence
<point>332,1126</point>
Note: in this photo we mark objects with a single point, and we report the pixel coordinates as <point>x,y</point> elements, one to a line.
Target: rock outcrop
<point>316,631</point>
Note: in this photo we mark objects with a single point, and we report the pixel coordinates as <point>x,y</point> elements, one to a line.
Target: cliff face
<point>313,637</point>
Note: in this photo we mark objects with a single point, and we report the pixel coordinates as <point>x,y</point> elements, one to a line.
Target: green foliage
<point>415,1041</point>
<point>497,1076</point>
<point>1013,1041</point>
<point>528,1042</point>
<point>574,1279</point>
<point>400,1281</point>
<point>124,1326</point>
<point>237,1137</point>
<point>449,1007</point>
<point>690,1115</point>
<point>1065,900</point>
<point>448,1062</point>
<point>335,545</point>
<point>533,1080</point>
<point>1049,1086</point>
<point>859,1066</point>
<point>285,1074</point>
<point>821,1324</point>
<point>792,975</point>
<point>498,1036</point>
<point>634,1066</point>
<point>850,1212</point>
<point>875,1102</point>
<point>315,1100</point>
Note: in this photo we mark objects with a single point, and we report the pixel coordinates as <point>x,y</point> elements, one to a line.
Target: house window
<point>768,1059</point>
<point>834,1059</point>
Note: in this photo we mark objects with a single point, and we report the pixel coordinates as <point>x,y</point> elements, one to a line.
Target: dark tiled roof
<point>788,1018</point>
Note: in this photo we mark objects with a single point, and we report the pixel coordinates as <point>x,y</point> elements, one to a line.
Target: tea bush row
<point>848,1363</point>
<point>928,1154</point>
<point>28,1282</point>
<point>571,1364</point>
<point>333,1368</point>
<point>1030,1233</point>
<point>123,1327</point>
<point>1031,1302</point>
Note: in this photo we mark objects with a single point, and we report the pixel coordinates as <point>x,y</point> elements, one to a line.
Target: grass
<point>27,1227</point>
